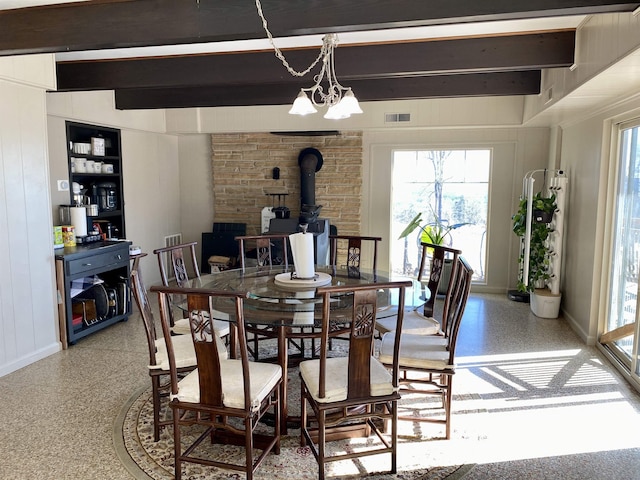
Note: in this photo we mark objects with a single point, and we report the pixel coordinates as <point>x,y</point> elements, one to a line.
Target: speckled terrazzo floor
<point>542,405</point>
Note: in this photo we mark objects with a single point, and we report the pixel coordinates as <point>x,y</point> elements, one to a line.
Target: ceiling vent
<point>309,133</point>
<point>397,117</point>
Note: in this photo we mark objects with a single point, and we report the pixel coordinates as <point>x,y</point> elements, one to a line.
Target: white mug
<point>107,168</point>
<point>97,167</point>
<point>81,165</point>
<point>90,167</point>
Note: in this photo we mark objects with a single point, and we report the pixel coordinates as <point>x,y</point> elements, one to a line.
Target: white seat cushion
<point>264,376</point>
<point>183,352</point>
<point>413,323</point>
<point>418,351</point>
<point>337,379</point>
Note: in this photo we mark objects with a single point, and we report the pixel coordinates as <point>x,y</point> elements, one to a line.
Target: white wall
<point>515,151</point>
<point>28,308</point>
<point>196,187</point>
<point>587,157</point>
<point>151,174</point>
<point>432,113</point>
<point>151,171</point>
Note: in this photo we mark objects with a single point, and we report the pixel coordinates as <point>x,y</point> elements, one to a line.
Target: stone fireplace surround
<point>242,169</point>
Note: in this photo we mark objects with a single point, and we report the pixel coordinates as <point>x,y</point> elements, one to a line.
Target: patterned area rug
<point>146,459</point>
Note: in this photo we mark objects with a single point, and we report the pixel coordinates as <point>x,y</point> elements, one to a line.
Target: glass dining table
<point>294,311</point>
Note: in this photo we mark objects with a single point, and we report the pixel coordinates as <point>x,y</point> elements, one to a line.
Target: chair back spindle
<point>438,255</point>
<point>176,256</point>
<point>263,245</point>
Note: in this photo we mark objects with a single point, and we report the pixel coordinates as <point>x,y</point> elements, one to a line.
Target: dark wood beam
<point>502,53</point>
<point>473,84</point>
<point>123,23</point>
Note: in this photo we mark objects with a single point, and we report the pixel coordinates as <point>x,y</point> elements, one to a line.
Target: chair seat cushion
<point>413,323</point>
<point>417,351</point>
<point>183,351</point>
<point>264,376</point>
<point>337,378</point>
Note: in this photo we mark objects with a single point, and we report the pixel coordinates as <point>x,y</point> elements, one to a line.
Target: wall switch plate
<point>63,185</point>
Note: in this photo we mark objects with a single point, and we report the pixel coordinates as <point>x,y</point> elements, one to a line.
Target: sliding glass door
<point>620,336</point>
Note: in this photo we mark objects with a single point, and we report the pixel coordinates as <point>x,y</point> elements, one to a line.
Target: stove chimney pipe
<point>310,162</point>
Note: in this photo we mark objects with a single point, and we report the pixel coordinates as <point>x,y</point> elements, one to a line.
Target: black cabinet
<point>95,162</point>
<point>93,287</point>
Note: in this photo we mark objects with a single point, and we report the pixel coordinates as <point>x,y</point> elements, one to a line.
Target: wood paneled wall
<point>28,315</point>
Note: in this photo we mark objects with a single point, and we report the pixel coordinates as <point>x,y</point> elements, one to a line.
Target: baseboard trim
<point>32,357</point>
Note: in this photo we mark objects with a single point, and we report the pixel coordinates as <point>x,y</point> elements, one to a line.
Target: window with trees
<point>449,187</point>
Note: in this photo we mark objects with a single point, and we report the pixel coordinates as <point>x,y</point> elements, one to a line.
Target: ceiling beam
<point>515,52</point>
<point>473,84</point>
<point>122,23</point>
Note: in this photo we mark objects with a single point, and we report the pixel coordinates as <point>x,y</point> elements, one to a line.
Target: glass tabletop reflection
<point>271,303</point>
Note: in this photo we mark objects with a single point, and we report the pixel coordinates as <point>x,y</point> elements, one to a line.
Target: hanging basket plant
<point>543,208</point>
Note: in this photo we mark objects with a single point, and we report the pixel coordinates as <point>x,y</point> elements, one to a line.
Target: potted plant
<point>436,233</point>
<point>543,209</point>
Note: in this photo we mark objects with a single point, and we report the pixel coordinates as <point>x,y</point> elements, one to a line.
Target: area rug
<point>146,459</point>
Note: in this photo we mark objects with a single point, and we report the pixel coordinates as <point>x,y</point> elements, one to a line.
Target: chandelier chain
<point>280,55</point>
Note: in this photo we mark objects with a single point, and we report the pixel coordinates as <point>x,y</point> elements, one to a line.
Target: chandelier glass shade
<point>341,101</point>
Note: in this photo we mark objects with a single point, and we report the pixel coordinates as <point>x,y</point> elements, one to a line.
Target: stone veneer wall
<point>242,170</point>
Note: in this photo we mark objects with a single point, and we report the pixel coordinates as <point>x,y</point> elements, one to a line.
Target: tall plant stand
<point>544,299</point>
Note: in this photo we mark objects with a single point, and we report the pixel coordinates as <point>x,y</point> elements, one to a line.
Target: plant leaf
<point>413,224</point>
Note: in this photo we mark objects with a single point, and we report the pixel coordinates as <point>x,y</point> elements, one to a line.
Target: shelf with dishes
<point>95,175</point>
<point>93,157</point>
<point>95,172</point>
<point>83,165</point>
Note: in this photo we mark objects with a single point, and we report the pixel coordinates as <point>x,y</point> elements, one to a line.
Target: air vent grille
<point>397,117</point>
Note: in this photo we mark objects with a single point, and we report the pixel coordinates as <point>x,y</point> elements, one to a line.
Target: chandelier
<point>341,101</point>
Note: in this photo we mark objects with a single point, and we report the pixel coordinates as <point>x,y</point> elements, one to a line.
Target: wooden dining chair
<point>184,353</point>
<point>349,247</point>
<point>264,246</point>
<point>356,389</point>
<point>172,259</point>
<point>352,246</point>
<point>227,397</point>
<point>427,362</point>
<point>437,264</point>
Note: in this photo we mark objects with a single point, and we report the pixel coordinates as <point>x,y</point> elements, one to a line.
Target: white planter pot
<point>545,304</point>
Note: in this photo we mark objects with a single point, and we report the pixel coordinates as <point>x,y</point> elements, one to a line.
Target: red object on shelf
<point>76,319</point>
